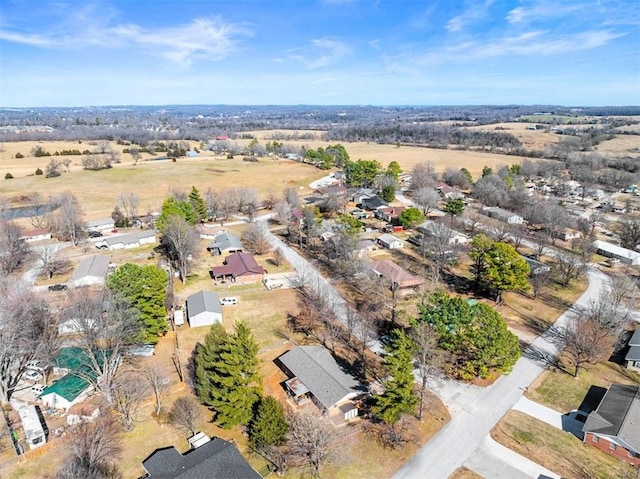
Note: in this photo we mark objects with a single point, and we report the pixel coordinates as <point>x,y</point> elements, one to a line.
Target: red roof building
<point>238,268</point>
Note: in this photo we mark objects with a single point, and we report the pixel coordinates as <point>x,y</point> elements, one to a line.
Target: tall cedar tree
<point>174,207</point>
<point>227,376</point>
<point>268,427</point>
<point>498,265</point>
<point>144,288</point>
<point>476,336</point>
<point>399,397</point>
<point>198,204</point>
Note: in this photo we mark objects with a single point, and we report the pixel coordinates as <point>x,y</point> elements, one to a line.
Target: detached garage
<point>203,309</point>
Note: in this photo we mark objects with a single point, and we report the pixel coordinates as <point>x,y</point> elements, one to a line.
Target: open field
<point>621,146</point>
<point>557,450</point>
<point>531,139</point>
<point>152,181</point>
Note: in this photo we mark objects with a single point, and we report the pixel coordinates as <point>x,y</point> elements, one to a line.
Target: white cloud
<point>475,12</point>
<point>543,10</point>
<point>321,53</point>
<point>204,38</point>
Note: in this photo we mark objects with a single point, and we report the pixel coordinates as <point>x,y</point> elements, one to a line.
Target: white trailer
<point>34,430</point>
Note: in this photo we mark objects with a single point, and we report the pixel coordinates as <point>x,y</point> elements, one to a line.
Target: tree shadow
<point>621,348</point>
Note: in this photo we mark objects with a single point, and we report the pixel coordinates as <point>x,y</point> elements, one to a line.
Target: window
<point>595,439</point>
<point>612,446</point>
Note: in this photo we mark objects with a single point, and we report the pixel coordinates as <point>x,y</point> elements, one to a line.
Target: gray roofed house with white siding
<point>225,243</point>
<point>129,240</point>
<point>614,251</point>
<point>204,309</point>
<point>91,270</point>
<point>321,376</point>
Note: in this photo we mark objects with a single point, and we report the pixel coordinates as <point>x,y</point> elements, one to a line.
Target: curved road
<point>459,439</point>
<point>479,409</point>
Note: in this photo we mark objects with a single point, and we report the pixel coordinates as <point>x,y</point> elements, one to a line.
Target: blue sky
<point>383,52</point>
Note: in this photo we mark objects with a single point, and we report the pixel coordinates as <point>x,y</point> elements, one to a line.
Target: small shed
<point>390,242</point>
<point>203,309</point>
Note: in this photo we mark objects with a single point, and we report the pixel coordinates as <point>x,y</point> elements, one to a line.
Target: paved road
<point>310,276</point>
<point>457,441</point>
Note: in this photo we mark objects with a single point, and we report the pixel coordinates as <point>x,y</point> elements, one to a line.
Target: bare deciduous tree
<point>66,222</point>
<point>423,175</point>
<point>428,358</point>
<point>211,202</point>
<point>539,281</point>
<point>426,198</point>
<point>584,341</point>
<point>310,440</point>
<point>278,257</point>
<point>186,413</point>
<point>568,267</point>
<point>128,394</point>
<point>24,322</point>
<point>291,197</point>
<point>254,238</point>
<point>158,382</point>
<point>128,203</point>
<point>284,213</point>
<point>94,449</point>
<point>37,209</point>
<point>13,250</point>
<point>628,228</point>
<point>106,326</point>
<point>180,242</point>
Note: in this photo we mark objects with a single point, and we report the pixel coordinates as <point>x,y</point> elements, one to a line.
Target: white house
<point>91,270</point>
<point>36,235</point>
<point>203,309</point>
<point>102,225</point>
<point>129,240</point>
<point>440,231</point>
<point>618,252</point>
<point>503,215</point>
<point>390,242</point>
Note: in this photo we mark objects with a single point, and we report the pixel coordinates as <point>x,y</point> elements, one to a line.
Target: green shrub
<point>8,176</point>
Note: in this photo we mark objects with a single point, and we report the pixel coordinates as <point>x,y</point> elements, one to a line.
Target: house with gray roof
<point>503,215</point>
<point>225,243</point>
<point>315,375</point>
<point>203,309</point>
<point>618,252</point>
<point>614,427</point>
<point>126,241</point>
<point>215,458</point>
<point>633,356</point>
<point>91,270</point>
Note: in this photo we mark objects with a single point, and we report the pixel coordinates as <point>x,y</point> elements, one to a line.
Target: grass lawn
<point>464,473</point>
<point>564,393</point>
<point>556,450</point>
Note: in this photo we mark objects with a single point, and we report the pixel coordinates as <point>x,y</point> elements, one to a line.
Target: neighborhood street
<point>475,411</point>
<point>458,440</point>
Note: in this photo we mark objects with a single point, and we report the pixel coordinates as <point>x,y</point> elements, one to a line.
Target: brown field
<point>531,139</point>
<point>621,145</point>
<point>98,191</point>
<point>464,473</point>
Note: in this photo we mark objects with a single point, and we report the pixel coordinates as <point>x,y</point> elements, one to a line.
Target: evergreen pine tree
<point>207,354</point>
<point>268,427</point>
<point>198,204</point>
<point>398,397</point>
<point>227,376</point>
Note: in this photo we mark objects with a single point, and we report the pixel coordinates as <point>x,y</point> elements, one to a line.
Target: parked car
<point>95,234</point>
<point>229,300</point>
<point>142,350</point>
<point>37,389</point>
<point>58,287</point>
<point>32,375</point>
<point>36,366</point>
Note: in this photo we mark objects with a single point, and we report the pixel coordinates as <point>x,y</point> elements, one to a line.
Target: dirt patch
<point>464,473</point>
